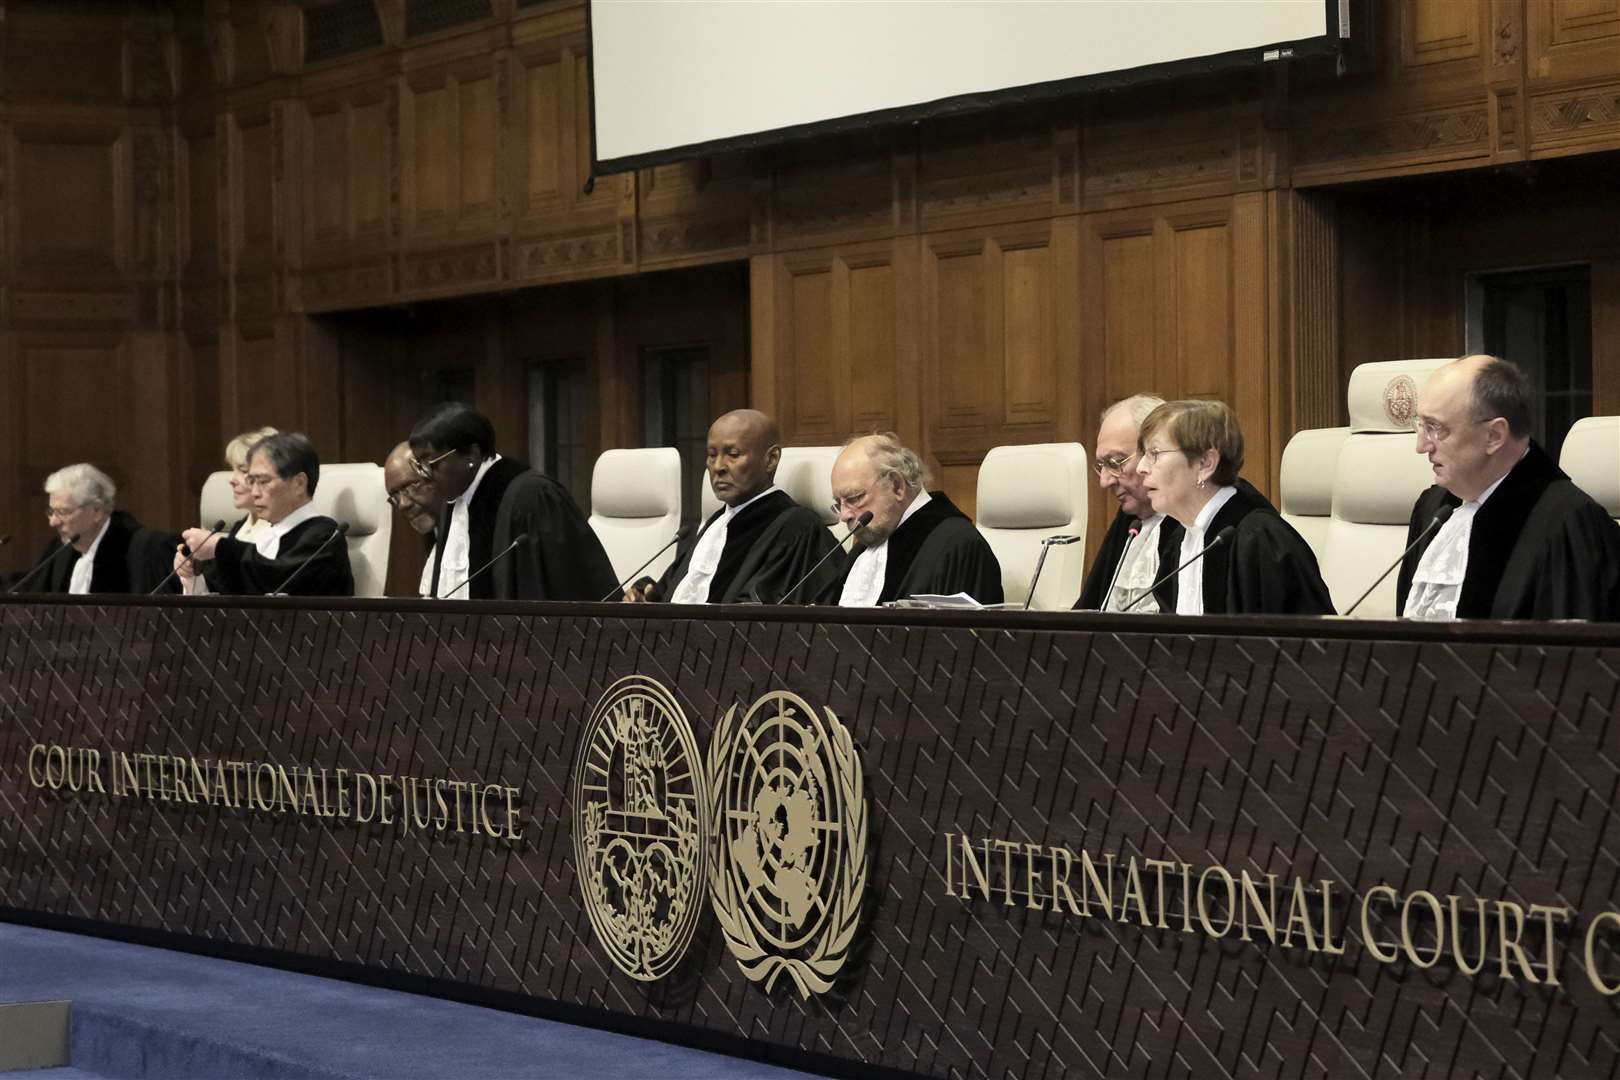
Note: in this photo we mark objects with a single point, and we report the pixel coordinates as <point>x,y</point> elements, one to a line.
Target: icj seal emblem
<point>641,811</point>
<point>789,866</point>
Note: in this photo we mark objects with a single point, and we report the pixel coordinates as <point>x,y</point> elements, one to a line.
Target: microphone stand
<point>1434,523</point>
<point>66,544</point>
<point>1220,538</point>
<point>517,541</point>
<point>1130,538</point>
<point>281,590</point>
<point>1046,545</point>
<point>618,590</point>
<point>854,526</point>
<point>219,527</point>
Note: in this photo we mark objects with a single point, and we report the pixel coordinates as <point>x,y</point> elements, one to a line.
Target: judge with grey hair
<point>916,543</point>
<point>111,552</point>
<point>1141,544</point>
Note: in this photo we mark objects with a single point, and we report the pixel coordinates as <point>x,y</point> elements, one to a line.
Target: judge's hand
<point>200,543</point>
<point>183,566</point>
<point>639,593</point>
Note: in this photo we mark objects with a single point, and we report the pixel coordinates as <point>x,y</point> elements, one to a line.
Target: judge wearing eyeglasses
<point>1141,540</point>
<point>1190,455</point>
<point>111,551</point>
<point>483,502</point>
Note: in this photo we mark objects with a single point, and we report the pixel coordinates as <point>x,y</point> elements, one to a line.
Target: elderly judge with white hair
<point>111,552</point>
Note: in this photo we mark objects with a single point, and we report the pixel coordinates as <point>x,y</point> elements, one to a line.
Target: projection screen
<point>676,78</point>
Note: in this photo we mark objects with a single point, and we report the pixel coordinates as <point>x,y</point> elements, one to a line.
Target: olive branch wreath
<point>813,974</point>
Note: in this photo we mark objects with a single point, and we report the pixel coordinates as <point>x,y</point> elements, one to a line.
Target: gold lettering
<point>286,787</point>
<point>1438,919</point>
<point>511,814</point>
<point>483,808</point>
<point>165,791</point>
<point>55,767</point>
<point>1509,943</point>
<point>1032,874</point>
<point>132,781</point>
<point>326,796</point>
<point>312,797</point>
<point>181,789</point>
<point>146,767</point>
<point>385,799</point>
<point>1299,914</point>
<point>1203,904</point>
<point>36,777</point>
<point>1133,887</point>
<point>1159,866</point>
<point>1062,863</point>
<point>1327,921</point>
<point>1006,847</point>
<point>94,757</point>
<point>1186,899</point>
<point>1366,926</point>
<point>1088,872</point>
<point>981,872</point>
<point>1457,938</point>
<point>443,820</point>
<point>1592,973</point>
<point>263,774</point>
<point>1268,917</point>
<point>459,786</point>
<point>362,812</point>
<point>199,781</point>
<point>1548,914</point>
<point>343,793</point>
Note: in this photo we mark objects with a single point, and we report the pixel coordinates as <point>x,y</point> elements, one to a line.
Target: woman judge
<point>247,528</point>
<point>1191,452</point>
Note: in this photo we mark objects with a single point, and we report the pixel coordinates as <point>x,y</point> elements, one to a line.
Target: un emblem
<point>641,812</point>
<point>789,869</point>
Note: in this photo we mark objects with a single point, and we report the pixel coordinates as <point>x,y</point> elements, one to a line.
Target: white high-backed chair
<point>1308,465</point>
<point>636,506</point>
<point>346,491</point>
<point>1026,494</point>
<point>1380,474</point>
<point>1591,457</point>
<point>805,473</point>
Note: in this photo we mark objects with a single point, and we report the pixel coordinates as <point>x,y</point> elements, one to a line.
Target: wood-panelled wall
<point>189,209</point>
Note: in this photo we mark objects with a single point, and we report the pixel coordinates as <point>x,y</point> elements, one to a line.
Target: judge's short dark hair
<point>1502,389</point>
<point>453,426</point>
<point>1197,427</point>
<point>290,453</point>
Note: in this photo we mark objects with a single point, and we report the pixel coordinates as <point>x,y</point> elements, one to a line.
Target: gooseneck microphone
<point>341,530</point>
<point>1220,538</point>
<point>1050,542</point>
<point>618,590</point>
<point>1130,538</point>
<point>43,563</point>
<point>219,527</point>
<point>855,526</point>
<point>1435,522</point>
<point>518,541</point>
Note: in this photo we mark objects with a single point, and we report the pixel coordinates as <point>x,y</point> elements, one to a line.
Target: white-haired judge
<point>111,551</point>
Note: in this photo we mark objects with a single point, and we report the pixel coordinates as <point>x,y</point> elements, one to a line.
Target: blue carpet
<point>146,1013</point>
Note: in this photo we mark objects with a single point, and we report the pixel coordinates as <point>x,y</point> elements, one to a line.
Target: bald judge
<point>1522,541</point>
<point>1141,545</point>
<point>916,543</point>
<point>760,544</point>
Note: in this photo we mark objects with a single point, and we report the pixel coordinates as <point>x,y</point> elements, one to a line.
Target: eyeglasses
<point>854,502</point>
<point>1153,455</point>
<point>261,480</point>
<point>58,513</point>
<point>1439,433</point>
<point>1115,465</point>
<point>396,497</point>
<point>424,469</point>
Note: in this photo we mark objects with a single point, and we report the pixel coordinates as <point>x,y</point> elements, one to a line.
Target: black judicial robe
<point>131,559</point>
<point>238,569</point>
<point>1540,548</point>
<point>1267,568</point>
<point>1095,591</point>
<point>936,551</point>
<point>770,545</point>
<point>563,560</point>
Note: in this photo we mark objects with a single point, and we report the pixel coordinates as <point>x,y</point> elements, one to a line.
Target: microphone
<point>517,541</point>
<point>1220,538</point>
<point>66,544</point>
<point>1130,538</point>
<point>219,527</point>
<point>341,530</point>
<point>1050,542</point>
<point>859,523</point>
<point>618,590</point>
<point>1435,522</point>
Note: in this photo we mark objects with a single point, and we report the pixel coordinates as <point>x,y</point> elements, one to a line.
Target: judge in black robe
<point>933,550</point>
<point>770,543</point>
<point>560,558</point>
<point>1537,547</point>
<point>130,558</point>
<point>1094,593</point>
<point>311,557</point>
<point>1540,548</point>
<point>1191,453</point>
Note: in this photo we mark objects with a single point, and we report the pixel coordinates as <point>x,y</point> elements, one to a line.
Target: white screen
<point>676,73</point>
